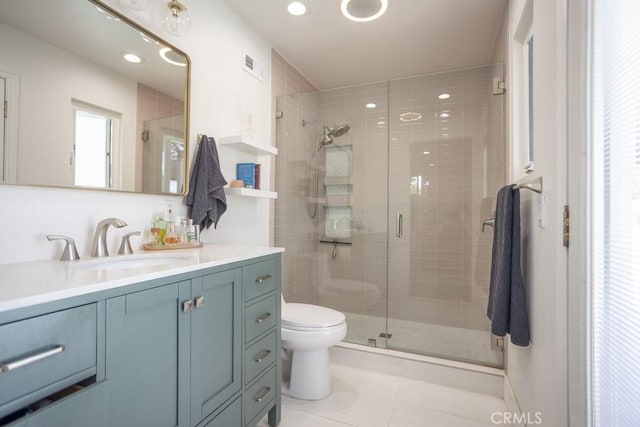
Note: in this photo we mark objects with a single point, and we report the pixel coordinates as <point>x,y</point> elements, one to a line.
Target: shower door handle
<point>399,224</point>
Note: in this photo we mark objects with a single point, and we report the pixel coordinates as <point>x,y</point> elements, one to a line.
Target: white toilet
<point>307,333</point>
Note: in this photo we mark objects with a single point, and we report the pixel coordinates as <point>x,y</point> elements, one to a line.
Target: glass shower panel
<point>353,275</point>
<point>446,164</point>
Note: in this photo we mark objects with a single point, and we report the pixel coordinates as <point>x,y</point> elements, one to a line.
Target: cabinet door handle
<point>263,317</point>
<point>187,305</point>
<point>32,358</point>
<point>264,278</point>
<point>263,394</point>
<point>260,357</point>
<point>199,302</point>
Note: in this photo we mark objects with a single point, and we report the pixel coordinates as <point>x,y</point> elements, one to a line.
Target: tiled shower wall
<point>297,99</point>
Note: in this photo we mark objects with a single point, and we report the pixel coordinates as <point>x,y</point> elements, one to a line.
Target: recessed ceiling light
<point>426,152</point>
<point>444,115</point>
<point>410,117</point>
<point>171,57</point>
<point>363,10</point>
<point>445,134</point>
<point>371,105</point>
<point>131,57</point>
<point>444,96</point>
<point>297,8</point>
<point>380,123</point>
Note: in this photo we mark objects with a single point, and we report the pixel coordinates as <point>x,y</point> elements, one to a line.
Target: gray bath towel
<point>206,200</point>
<point>507,307</point>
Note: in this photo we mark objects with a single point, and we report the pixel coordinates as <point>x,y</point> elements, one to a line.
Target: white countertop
<point>30,283</point>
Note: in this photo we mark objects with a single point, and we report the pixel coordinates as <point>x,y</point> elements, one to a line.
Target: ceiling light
<point>380,123</point>
<point>426,152</point>
<point>297,8</point>
<point>131,57</point>
<point>177,21</point>
<point>371,105</point>
<point>410,117</point>
<point>444,96</point>
<point>172,58</point>
<point>444,115</point>
<point>363,10</point>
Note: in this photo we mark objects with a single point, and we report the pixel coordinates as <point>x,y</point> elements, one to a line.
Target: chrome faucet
<point>99,245</point>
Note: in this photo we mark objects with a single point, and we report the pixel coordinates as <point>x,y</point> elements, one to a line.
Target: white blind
<point>615,214</point>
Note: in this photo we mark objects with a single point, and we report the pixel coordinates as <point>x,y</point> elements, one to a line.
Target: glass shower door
<point>446,164</point>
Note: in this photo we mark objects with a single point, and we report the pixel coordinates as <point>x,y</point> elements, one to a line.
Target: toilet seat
<point>310,317</point>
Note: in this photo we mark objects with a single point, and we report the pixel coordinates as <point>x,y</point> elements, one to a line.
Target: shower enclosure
<point>395,241</point>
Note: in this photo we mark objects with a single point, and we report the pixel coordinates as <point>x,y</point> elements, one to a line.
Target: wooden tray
<point>150,247</point>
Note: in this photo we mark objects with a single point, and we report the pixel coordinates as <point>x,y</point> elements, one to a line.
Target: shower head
<point>339,131</point>
<point>329,133</point>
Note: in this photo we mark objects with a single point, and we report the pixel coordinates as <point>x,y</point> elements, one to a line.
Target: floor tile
<point>366,398</point>
<point>295,418</point>
<point>417,416</point>
<point>465,404</point>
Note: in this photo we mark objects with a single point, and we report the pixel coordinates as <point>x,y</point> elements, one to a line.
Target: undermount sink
<point>131,262</point>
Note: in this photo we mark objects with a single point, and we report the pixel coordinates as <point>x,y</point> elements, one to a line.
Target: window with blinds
<point>615,214</point>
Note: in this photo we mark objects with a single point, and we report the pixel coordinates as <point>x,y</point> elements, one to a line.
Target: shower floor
<point>466,345</point>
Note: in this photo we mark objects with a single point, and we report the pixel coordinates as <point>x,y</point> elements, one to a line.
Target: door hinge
<point>565,227</point>
<point>6,109</point>
<point>497,343</point>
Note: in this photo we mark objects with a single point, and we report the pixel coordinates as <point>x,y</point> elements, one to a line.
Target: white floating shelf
<point>237,143</point>
<point>250,192</point>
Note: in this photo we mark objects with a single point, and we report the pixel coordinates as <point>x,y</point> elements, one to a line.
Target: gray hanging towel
<point>507,308</point>
<point>206,200</point>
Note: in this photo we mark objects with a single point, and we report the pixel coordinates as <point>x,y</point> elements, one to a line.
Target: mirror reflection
<point>92,100</point>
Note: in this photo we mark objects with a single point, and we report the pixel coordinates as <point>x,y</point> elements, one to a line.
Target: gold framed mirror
<point>93,100</point>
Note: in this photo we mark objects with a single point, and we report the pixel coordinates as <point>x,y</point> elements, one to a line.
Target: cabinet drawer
<point>259,279</point>
<point>44,350</point>
<point>260,394</point>
<point>259,356</point>
<point>259,317</point>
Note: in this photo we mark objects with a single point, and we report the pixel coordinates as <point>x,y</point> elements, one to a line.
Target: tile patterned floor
<point>363,398</point>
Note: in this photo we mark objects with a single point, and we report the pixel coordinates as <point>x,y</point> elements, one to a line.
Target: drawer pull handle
<point>10,366</point>
<point>262,395</point>
<point>260,357</point>
<point>263,317</point>
<point>263,279</point>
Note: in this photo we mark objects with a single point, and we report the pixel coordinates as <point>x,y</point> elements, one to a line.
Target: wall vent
<point>252,66</point>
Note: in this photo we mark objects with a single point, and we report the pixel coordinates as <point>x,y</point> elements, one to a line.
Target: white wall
<point>538,373</point>
<point>221,93</point>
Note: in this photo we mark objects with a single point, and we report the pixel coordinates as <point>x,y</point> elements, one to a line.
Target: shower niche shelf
<point>250,192</point>
<point>237,143</point>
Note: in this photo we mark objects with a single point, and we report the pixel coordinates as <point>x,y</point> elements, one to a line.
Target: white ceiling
<point>413,37</point>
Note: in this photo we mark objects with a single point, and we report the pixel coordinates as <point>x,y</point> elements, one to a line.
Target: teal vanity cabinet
<point>193,349</point>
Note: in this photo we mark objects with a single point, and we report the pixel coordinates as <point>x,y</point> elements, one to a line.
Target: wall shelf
<point>236,142</point>
<point>250,192</point>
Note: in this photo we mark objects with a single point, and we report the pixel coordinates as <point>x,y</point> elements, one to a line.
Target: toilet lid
<point>310,316</point>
